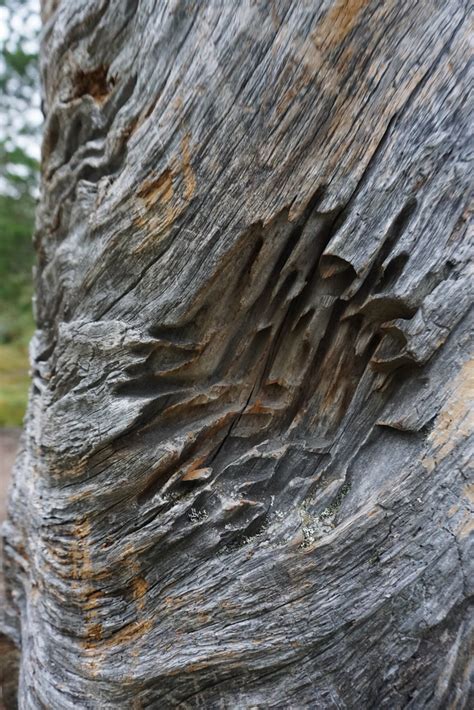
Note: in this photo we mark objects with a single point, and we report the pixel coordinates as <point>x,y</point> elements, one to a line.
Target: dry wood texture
<point>244,478</point>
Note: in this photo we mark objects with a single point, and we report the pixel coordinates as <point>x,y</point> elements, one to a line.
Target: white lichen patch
<point>197,516</point>
<point>314,527</point>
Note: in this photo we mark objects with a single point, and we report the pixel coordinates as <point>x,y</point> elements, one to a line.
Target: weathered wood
<point>244,480</point>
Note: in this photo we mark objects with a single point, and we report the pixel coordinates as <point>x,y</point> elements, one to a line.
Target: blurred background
<point>20,133</point>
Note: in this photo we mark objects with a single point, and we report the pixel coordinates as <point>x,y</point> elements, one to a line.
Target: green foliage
<point>18,171</point>
<point>19,139</point>
<point>16,261</point>
<point>16,319</point>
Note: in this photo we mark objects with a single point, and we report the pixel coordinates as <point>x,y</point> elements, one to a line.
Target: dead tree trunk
<point>244,474</point>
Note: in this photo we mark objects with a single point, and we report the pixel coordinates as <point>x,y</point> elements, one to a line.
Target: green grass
<point>14,383</point>
<point>16,329</point>
<point>16,320</point>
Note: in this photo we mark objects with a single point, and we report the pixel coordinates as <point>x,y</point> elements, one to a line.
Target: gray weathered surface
<point>245,473</point>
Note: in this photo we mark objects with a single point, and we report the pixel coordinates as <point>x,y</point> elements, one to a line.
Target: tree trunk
<point>244,475</point>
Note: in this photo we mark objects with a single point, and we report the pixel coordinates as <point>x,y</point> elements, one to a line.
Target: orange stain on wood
<point>468,491</point>
<point>188,173</point>
<point>455,422</point>
<point>93,599</point>
<point>342,18</point>
<point>83,573</point>
<point>139,589</point>
<point>81,562</point>
<point>259,408</point>
<point>197,474</point>
<point>166,197</point>
<point>94,632</point>
<point>128,633</point>
<point>466,527</point>
<point>157,189</point>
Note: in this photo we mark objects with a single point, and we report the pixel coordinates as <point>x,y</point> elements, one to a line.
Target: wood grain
<point>245,474</point>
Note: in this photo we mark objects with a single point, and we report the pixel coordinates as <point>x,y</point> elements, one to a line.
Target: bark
<point>244,476</point>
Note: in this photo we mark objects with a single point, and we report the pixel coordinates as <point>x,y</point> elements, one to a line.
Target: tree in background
<point>20,120</point>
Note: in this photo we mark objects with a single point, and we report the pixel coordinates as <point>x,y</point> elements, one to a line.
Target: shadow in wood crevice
<point>275,352</point>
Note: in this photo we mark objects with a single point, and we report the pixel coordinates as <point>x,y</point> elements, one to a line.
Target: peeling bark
<point>244,478</point>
